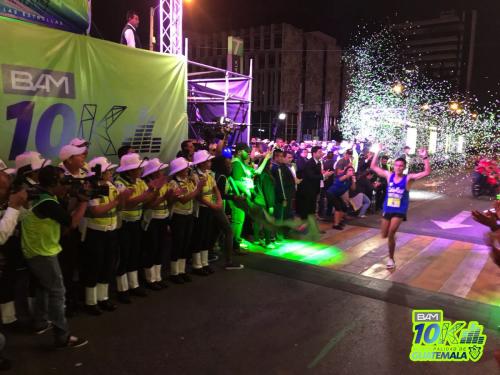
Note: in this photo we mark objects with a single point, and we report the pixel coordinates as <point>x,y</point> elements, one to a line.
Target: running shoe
<point>391,264</point>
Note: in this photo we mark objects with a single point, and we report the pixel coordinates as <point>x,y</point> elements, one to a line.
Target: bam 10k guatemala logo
<point>438,340</point>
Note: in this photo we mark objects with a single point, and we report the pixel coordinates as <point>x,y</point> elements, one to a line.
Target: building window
<point>278,40</point>
<point>262,61</point>
<point>267,41</point>
<point>256,41</point>
<point>271,61</point>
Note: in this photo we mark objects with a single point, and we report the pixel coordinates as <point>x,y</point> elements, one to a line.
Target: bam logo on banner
<point>108,94</point>
<point>37,82</point>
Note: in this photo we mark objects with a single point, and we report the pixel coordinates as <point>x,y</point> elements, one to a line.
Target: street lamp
<point>398,88</point>
<point>454,106</point>
<point>282,116</point>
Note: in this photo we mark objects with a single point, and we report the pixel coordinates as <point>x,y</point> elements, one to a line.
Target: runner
<point>397,198</point>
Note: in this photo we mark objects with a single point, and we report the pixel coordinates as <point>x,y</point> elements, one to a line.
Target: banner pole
<point>151,28</point>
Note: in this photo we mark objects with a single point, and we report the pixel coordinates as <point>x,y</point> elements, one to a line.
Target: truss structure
<point>171,26</point>
<point>202,93</point>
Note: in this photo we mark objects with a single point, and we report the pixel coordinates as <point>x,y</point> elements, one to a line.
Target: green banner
<point>58,85</point>
<point>69,15</point>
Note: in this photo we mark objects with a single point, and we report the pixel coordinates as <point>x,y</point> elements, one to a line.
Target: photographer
<point>344,182</point>
<point>10,206</point>
<point>100,247</point>
<point>491,219</point>
<point>130,171</point>
<point>14,274</point>
<point>40,236</point>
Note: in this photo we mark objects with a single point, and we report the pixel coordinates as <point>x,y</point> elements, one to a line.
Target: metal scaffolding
<point>171,26</point>
<point>171,41</point>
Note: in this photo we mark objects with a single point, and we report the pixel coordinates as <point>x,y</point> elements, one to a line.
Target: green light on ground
<point>301,251</point>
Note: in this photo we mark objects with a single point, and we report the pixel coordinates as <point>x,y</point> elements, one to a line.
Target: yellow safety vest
<point>109,221</point>
<point>208,189</point>
<point>138,187</point>
<point>40,237</point>
<point>187,186</point>
<point>161,211</point>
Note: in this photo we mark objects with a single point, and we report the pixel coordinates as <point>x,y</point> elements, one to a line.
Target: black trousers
<point>12,266</point>
<point>222,226</point>
<point>130,247</point>
<point>205,225</point>
<point>70,261</point>
<point>154,242</point>
<point>100,253</point>
<point>182,228</point>
<point>306,204</point>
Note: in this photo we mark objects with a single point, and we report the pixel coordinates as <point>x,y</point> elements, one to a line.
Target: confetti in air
<point>391,102</point>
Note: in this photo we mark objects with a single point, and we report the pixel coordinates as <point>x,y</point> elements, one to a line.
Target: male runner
<point>397,197</point>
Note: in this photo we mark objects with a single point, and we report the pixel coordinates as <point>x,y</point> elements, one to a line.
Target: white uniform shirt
<point>129,36</point>
<point>8,223</point>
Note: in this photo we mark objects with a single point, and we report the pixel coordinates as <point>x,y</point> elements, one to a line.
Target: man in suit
<point>309,188</point>
<point>284,187</point>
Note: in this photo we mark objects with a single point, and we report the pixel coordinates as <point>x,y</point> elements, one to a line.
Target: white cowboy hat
<point>70,150</point>
<point>201,156</point>
<point>31,158</point>
<point>178,165</point>
<point>3,168</point>
<point>106,165</point>
<point>79,142</point>
<point>129,162</point>
<point>152,166</point>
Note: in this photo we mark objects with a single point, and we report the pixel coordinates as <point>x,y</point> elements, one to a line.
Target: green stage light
<point>302,251</point>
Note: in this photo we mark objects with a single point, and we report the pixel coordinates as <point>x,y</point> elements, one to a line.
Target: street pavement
<point>243,322</point>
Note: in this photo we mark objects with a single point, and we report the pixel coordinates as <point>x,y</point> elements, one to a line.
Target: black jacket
<point>284,183</point>
<point>311,178</point>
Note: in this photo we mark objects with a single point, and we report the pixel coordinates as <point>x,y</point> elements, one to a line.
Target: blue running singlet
<point>397,198</point>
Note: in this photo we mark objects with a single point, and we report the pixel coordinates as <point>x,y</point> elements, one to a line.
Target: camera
<point>89,187</point>
<point>21,182</point>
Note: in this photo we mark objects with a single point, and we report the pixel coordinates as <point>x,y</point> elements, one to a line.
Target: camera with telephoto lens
<point>21,182</point>
<point>90,187</point>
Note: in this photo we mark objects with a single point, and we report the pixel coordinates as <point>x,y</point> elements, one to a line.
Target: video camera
<point>21,182</point>
<point>89,187</point>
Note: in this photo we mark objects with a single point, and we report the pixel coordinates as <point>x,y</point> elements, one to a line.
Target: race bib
<point>394,202</point>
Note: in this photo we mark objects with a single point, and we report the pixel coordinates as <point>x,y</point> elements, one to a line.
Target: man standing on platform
<point>129,33</point>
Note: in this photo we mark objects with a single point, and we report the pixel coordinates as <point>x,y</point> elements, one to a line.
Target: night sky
<point>339,18</point>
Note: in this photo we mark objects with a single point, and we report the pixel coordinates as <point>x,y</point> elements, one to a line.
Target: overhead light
<point>282,116</point>
<point>398,88</point>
